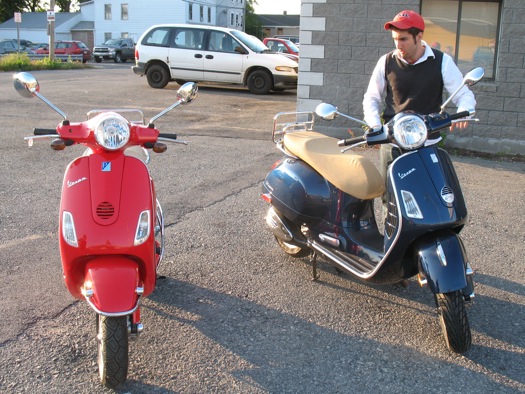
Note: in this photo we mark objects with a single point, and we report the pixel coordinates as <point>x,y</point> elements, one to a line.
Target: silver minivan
<point>197,53</point>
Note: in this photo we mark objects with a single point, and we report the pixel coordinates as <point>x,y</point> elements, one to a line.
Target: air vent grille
<point>105,210</point>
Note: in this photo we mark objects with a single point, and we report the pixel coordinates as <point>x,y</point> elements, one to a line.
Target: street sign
<point>18,17</point>
<point>50,16</point>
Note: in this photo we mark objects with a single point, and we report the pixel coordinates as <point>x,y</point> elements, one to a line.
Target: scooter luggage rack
<point>130,114</point>
<point>288,122</point>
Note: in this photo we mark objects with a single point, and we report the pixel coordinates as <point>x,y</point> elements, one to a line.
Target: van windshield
<point>251,42</point>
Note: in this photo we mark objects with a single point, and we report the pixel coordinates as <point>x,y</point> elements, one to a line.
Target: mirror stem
<point>37,94</point>
<point>177,103</point>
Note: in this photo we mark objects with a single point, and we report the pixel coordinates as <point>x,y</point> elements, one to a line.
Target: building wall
<point>341,41</point>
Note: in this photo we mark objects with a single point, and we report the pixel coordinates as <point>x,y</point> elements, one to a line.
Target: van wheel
<point>259,82</point>
<point>98,59</point>
<point>158,76</point>
<point>180,81</point>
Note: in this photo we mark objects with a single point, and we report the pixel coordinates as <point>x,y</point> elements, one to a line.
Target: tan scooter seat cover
<point>349,172</point>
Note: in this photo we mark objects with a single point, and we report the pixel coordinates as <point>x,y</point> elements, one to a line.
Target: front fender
<point>442,261</point>
<point>111,285</point>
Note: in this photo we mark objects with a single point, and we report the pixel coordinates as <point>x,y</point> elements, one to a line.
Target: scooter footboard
<point>111,285</point>
<point>442,261</point>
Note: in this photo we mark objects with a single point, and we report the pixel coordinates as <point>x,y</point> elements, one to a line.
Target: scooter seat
<point>353,174</point>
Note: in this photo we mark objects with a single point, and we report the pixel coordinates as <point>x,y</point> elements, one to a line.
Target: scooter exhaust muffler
<point>276,224</point>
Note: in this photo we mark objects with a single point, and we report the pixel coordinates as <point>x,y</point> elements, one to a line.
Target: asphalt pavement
<point>233,314</point>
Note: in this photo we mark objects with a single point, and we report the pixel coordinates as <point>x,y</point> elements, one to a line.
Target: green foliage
<point>252,25</point>
<point>21,62</point>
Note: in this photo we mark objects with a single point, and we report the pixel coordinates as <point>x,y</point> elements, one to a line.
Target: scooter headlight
<point>410,131</point>
<point>111,130</point>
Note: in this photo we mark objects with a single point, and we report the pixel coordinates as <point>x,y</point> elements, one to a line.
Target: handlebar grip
<point>351,141</point>
<point>459,115</point>
<point>168,135</point>
<point>37,131</point>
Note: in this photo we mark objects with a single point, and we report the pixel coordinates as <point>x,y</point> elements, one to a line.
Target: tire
<point>180,81</point>
<point>117,59</point>
<point>112,350</point>
<point>454,321</point>
<point>259,82</point>
<point>158,76</point>
<point>98,59</point>
<point>292,249</point>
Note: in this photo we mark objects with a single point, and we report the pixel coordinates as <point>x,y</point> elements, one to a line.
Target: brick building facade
<point>341,41</point>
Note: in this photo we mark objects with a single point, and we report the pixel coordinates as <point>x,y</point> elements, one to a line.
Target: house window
<point>209,14</point>
<point>202,13</point>
<point>190,11</point>
<point>107,12</point>
<point>107,36</point>
<point>124,12</point>
<point>465,29</point>
<point>124,34</point>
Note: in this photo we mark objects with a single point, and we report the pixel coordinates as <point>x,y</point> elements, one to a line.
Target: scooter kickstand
<point>313,259</point>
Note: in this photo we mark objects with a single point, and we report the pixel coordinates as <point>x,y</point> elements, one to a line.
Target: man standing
<point>411,77</point>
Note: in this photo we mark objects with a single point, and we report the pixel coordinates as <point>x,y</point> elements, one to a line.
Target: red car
<point>281,45</point>
<point>69,48</point>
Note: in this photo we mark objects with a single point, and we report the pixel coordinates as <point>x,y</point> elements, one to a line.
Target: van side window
<point>157,37</point>
<point>222,42</point>
<point>188,39</point>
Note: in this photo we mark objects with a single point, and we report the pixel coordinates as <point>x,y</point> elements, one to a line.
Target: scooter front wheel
<point>292,249</point>
<point>454,321</point>
<point>112,349</point>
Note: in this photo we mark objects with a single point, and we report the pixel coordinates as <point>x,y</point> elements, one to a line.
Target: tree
<point>252,24</point>
<point>9,7</point>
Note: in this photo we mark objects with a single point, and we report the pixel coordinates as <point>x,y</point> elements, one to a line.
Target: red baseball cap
<point>405,20</point>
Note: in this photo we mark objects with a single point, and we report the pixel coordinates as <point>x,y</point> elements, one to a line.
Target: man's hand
<point>458,125</point>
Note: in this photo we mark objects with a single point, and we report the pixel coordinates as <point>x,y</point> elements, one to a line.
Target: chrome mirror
<point>326,111</point>
<point>26,84</point>
<point>187,92</point>
<point>471,78</point>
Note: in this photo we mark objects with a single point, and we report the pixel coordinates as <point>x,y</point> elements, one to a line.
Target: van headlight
<point>111,130</point>
<point>285,69</point>
<point>410,130</point>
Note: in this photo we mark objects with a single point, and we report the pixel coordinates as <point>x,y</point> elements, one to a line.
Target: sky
<point>292,7</point>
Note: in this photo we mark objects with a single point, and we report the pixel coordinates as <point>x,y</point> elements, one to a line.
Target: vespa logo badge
<point>106,166</point>
<point>73,183</point>
<point>405,174</point>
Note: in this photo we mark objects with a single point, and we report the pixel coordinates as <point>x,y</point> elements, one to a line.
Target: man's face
<point>407,45</point>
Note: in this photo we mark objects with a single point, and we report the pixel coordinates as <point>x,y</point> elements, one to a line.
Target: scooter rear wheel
<point>454,321</point>
<point>292,249</point>
<point>112,350</point>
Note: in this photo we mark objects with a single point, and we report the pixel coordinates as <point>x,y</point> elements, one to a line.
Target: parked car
<point>209,53</point>
<point>7,46</point>
<point>68,48</point>
<point>116,49</point>
<point>281,45</point>
<point>294,39</point>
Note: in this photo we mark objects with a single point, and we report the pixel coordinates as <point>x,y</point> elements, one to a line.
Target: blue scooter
<point>322,203</point>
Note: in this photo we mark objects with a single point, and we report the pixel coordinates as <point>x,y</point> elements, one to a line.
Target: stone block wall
<point>341,41</point>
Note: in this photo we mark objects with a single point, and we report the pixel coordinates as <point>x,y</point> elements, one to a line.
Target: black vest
<point>416,87</point>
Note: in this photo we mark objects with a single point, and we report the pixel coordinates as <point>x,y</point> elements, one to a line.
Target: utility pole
<point>51,26</point>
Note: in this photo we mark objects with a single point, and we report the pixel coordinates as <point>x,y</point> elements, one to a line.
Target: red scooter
<point>111,230</point>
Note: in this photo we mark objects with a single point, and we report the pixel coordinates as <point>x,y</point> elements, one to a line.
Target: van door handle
<point>198,56</point>
<point>209,56</point>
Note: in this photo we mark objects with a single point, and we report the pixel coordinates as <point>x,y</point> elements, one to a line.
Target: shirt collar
<point>428,53</point>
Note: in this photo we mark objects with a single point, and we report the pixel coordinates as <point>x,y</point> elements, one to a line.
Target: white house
<point>99,20</point>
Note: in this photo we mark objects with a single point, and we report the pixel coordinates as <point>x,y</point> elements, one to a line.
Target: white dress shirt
<point>373,102</point>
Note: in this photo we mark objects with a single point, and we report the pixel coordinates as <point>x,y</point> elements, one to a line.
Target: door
<point>187,54</point>
<point>222,62</point>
